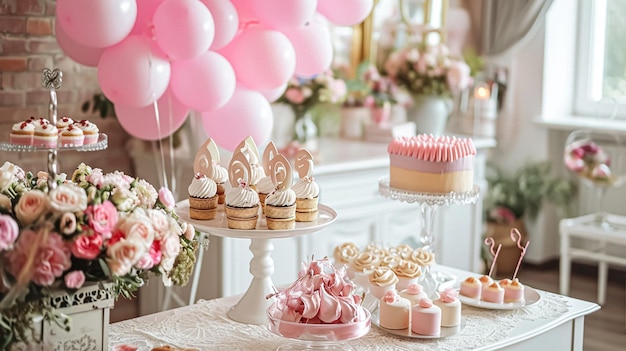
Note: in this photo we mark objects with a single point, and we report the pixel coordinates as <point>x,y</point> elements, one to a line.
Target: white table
<point>602,239</point>
<point>554,323</point>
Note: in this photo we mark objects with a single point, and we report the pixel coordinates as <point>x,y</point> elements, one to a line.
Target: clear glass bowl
<point>321,333</point>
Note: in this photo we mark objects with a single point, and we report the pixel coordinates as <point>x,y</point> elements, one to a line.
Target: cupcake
<point>63,122</point>
<point>382,279</point>
<point>265,184</point>
<point>407,272</point>
<point>361,266</point>
<point>90,130</point>
<point>22,133</point>
<point>343,255</point>
<point>450,307</point>
<point>249,149</point>
<point>307,190</point>
<point>202,198</point>
<point>422,257</point>
<point>242,203</point>
<point>71,136</point>
<point>207,162</point>
<point>280,204</point>
<point>45,135</point>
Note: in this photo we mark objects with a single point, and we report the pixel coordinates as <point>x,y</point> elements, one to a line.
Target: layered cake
<point>280,204</point>
<point>266,184</point>
<point>414,293</point>
<point>426,318</point>
<point>242,203</point>
<point>471,287</point>
<point>429,164</point>
<point>307,190</point>
<point>202,198</point>
<point>71,136</point>
<point>90,130</point>
<point>22,133</point>
<point>382,279</point>
<point>394,311</point>
<point>450,307</point>
<point>407,272</point>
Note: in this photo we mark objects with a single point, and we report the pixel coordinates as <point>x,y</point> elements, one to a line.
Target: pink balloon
<point>284,14</point>
<point>141,122</point>
<point>345,12</point>
<point>245,12</point>
<point>247,113</point>
<point>226,21</point>
<point>204,83</point>
<point>313,46</point>
<point>273,94</point>
<point>184,29</point>
<point>133,73</point>
<point>80,53</point>
<point>145,12</point>
<point>97,23</point>
<point>262,58</point>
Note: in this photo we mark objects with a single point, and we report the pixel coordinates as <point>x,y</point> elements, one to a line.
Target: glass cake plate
<point>316,336</point>
<point>101,144</point>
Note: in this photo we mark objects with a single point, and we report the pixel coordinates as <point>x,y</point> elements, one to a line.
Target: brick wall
<point>27,46</point>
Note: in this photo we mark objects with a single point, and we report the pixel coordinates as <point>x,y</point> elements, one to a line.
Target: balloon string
<point>157,117</point>
<point>171,145</point>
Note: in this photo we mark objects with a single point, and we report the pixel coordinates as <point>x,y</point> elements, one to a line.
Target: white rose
<point>124,199</point>
<point>122,255</point>
<point>31,205</point>
<point>146,193</point>
<point>137,227</point>
<point>170,245</point>
<point>189,230</point>
<point>68,197</point>
<point>160,223</point>
<point>6,178</point>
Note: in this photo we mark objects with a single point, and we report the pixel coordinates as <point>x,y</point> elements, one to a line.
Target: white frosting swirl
<point>242,197</point>
<point>257,174</point>
<point>23,127</point>
<point>46,129</point>
<point>265,185</point>
<point>202,187</point>
<point>87,126</point>
<point>281,197</point>
<point>219,174</point>
<point>306,188</point>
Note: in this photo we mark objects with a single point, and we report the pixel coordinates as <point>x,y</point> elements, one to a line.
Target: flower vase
<point>430,113</point>
<point>381,114</point>
<point>305,130</point>
<point>353,121</point>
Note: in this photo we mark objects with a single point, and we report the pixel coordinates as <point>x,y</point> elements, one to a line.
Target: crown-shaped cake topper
<point>249,149</point>
<point>239,170</point>
<point>282,175</point>
<point>489,241</point>
<point>268,154</point>
<point>516,236</point>
<point>304,163</point>
<point>203,162</point>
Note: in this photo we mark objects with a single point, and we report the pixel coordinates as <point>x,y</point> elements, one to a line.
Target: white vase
<point>353,121</point>
<point>430,113</point>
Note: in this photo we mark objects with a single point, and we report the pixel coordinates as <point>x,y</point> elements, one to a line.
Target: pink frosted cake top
<point>430,148</point>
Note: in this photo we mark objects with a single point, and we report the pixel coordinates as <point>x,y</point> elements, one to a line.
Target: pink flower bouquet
<point>588,159</point>
<point>302,94</point>
<point>94,227</point>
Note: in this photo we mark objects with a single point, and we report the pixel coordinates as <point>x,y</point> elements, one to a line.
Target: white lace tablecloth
<point>205,326</point>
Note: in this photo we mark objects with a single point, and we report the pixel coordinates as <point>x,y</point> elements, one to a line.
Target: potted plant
<point>513,199</point>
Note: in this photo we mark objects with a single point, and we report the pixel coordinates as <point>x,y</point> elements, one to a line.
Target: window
<point>601,73</point>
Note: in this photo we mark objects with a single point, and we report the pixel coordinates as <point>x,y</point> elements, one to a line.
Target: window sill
<point>569,123</point>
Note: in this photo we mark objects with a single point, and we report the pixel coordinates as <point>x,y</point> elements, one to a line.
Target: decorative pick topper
<point>282,175</point>
<point>270,152</point>
<point>212,147</point>
<point>489,241</point>
<point>203,162</point>
<point>249,149</point>
<point>304,163</point>
<point>239,170</point>
<point>517,237</point>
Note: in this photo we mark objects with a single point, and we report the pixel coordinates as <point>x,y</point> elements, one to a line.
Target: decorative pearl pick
<point>489,241</point>
<point>517,237</point>
<point>304,163</point>
<point>239,170</point>
<point>282,175</point>
<point>203,162</point>
<point>268,154</point>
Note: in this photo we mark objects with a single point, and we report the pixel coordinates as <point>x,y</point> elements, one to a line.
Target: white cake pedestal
<point>252,307</point>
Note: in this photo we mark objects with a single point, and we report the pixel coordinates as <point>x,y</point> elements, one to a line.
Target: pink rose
<point>160,223</point>
<point>87,245</point>
<point>102,218</point>
<point>9,230</point>
<point>137,227</point>
<point>75,279</point>
<point>170,245</point>
<point>122,255</point>
<point>458,77</point>
<point>189,230</point>
<point>294,95</point>
<point>96,177</point>
<point>166,198</point>
<point>150,258</point>
<point>31,205</point>
<point>68,198</point>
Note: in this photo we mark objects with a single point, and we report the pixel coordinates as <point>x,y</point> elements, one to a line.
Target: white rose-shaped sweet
<point>122,255</point>
<point>31,205</point>
<point>422,257</point>
<point>345,253</point>
<point>365,261</point>
<point>383,276</point>
<point>407,269</point>
<point>68,198</point>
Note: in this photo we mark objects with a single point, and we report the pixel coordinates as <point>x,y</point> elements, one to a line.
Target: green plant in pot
<point>512,199</point>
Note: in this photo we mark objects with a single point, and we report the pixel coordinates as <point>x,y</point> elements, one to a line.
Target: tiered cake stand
<point>252,307</point>
<point>429,204</point>
<point>52,80</point>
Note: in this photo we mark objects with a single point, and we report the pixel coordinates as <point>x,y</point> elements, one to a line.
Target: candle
<point>485,110</point>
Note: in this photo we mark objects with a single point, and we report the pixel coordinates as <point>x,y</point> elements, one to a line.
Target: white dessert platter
<point>407,333</point>
<point>101,144</point>
<point>252,307</point>
<point>531,297</point>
